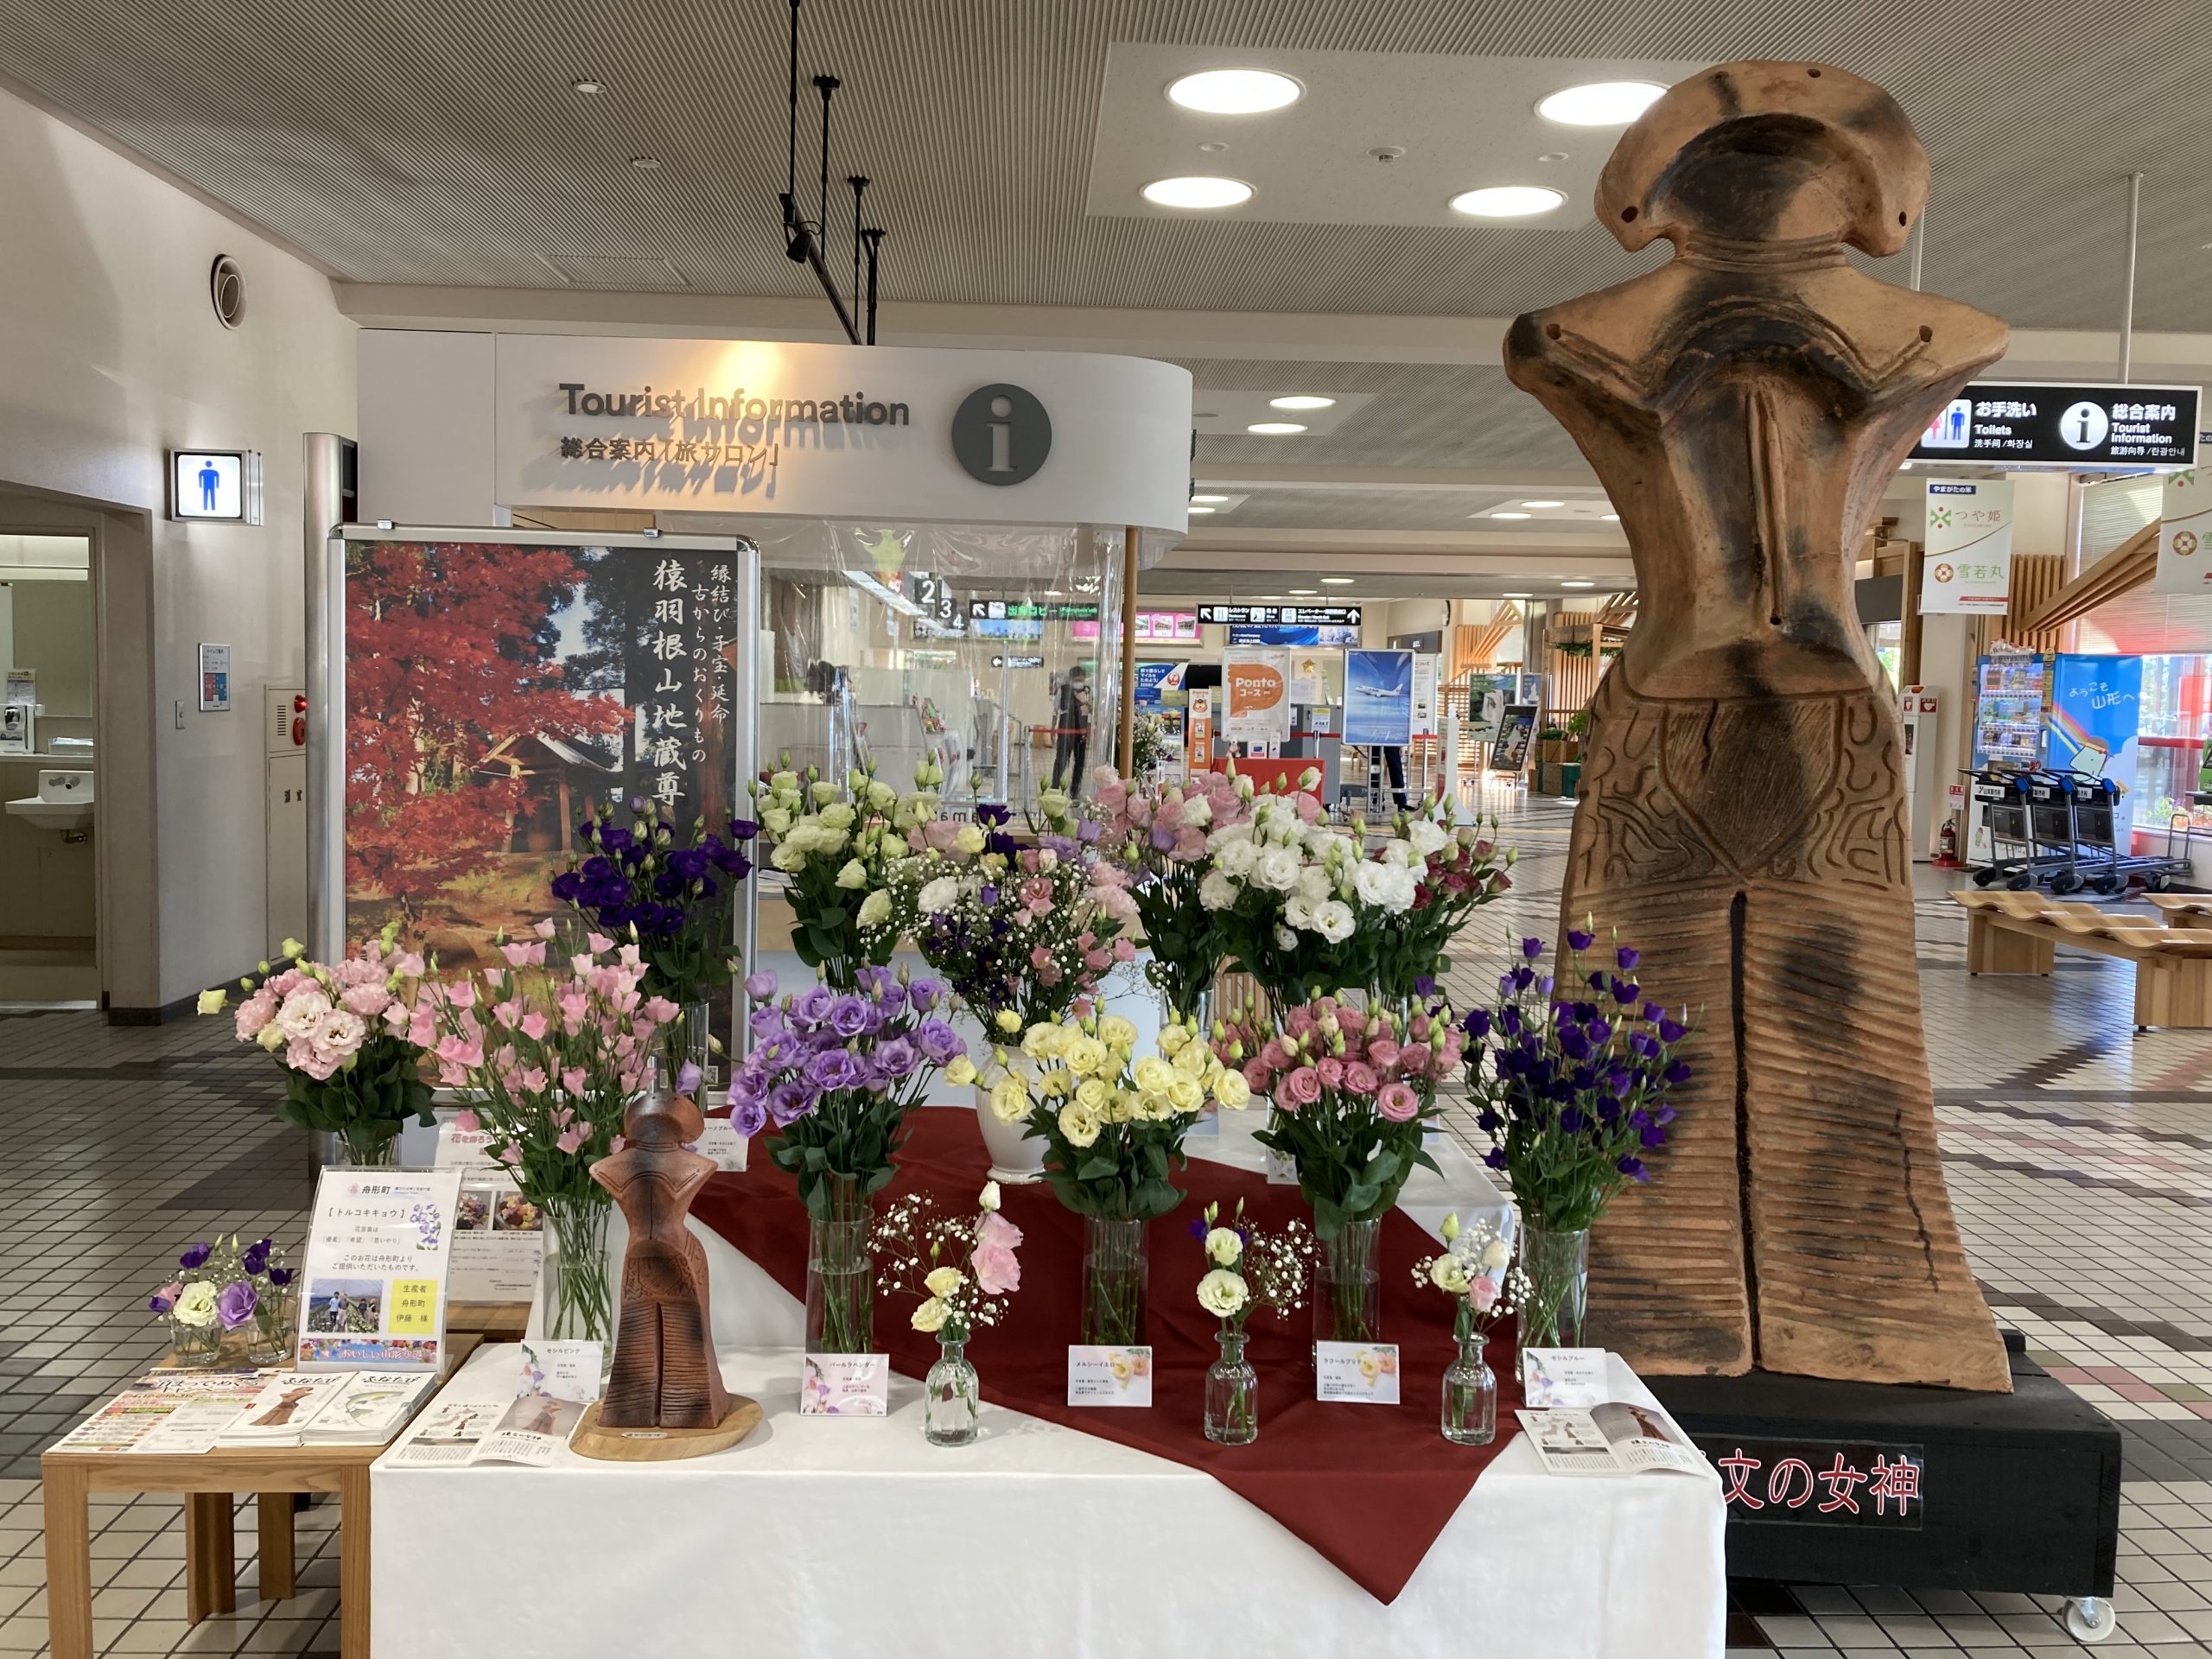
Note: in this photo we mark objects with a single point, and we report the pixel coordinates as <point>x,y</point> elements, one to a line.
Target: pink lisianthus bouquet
<point>340,1033</point>
<point>960,1269</point>
<point>549,1052</point>
<point>1352,1093</point>
<point>1153,853</point>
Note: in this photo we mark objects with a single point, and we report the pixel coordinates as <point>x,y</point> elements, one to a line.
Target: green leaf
<point>1098,1169</point>
<point>1361,1196</point>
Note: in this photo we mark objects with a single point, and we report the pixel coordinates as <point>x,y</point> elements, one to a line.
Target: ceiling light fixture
<point>1600,103</point>
<point>1517,595</point>
<point>1610,518</point>
<point>1194,507</point>
<point>1301,400</point>
<point>1304,593</point>
<point>1209,500</point>
<point>645,164</point>
<point>1543,504</point>
<point>1508,515</point>
<point>1235,92</point>
<point>1198,192</point>
<point>1336,581</point>
<point>1506,201</point>
<point>589,88</point>
<point>1275,429</point>
<point>1577,584</point>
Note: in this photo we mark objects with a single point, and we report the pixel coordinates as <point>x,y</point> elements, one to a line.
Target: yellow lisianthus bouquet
<point>1113,1120</point>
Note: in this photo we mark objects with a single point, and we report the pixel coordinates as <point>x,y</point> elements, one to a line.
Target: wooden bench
<point>2018,933</point>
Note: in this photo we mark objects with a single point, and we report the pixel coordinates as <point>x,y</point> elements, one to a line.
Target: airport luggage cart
<point>2017,858</point>
<point>2099,862</point>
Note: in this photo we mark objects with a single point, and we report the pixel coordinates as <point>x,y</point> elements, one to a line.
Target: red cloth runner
<point>1370,1487</point>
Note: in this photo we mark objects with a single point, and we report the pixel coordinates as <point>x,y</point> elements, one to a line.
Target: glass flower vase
<point>1348,1285</point>
<point>1558,1266</point>
<point>577,1294</point>
<point>273,1337</point>
<point>369,1143</point>
<point>1113,1281</point>
<point>951,1396</point>
<point>839,1273</point>
<point>691,1042</point>
<point>1232,1394</point>
<point>195,1347</point>
<point>1470,1397</point>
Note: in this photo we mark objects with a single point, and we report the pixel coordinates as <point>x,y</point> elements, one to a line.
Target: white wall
<point>109,353</point>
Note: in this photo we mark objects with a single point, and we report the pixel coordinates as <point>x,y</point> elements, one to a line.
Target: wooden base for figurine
<point>662,1445</point>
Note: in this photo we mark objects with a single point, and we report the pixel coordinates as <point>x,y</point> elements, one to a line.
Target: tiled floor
<point>2079,1159</point>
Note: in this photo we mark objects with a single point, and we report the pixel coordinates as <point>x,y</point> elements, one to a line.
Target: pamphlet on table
<point>1614,1439</point>
<point>378,1254</point>
<point>329,1409</point>
<point>557,1381</point>
<point>169,1413</point>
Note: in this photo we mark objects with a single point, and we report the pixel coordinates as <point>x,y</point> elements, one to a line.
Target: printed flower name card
<point>845,1385</point>
<point>1110,1376</point>
<point>1571,1378</point>
<point>1356,1373</point>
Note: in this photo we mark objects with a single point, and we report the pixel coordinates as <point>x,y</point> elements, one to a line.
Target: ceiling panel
<point>437,142</point>
<point>1390,509</point>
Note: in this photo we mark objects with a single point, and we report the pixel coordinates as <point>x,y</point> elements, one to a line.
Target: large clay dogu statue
<point>1743,802</point>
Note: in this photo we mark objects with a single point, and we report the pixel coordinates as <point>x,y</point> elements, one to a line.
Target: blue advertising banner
<point>1160,685</point>
<point>1379,697</point>
<point>2095,713</point>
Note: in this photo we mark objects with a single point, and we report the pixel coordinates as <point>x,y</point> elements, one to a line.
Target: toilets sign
<point>2036,424</point>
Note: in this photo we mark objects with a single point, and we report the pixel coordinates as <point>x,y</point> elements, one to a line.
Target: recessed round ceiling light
<point>1336,581</point>
<point>645,164</point>
<point>1235,92</point>
<point>1508,515</point>
<point>1212,146</point>
<point>1275,429</point>
<point>1194,507</point>
<point>589,88</point>
<point>1600,103</point>
<point>1577,584</point>
<point>1301,401</point>
<point>1198,191</point>
<point>1210,500</point>
<point>1543,504</point>
<point>1506,201</point>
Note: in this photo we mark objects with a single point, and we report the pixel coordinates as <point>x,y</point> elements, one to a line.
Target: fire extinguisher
<point>1946,842</point>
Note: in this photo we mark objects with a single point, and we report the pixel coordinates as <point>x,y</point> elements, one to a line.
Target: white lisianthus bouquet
<point>1476,1267</point>
<point>1248,1268</point>
<point>1309,909</point>
<point>1112,1122</point>
<point>836,844</point>
<point>341,1034</point>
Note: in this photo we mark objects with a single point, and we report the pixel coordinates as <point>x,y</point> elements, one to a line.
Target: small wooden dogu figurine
<point>665,1373</point>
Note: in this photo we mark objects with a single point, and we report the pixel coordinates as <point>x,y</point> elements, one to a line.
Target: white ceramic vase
<point>1017,1157</point>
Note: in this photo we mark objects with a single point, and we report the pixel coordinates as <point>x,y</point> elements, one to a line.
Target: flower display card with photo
<point>845,1385</point>
<point>1552,1377</point>
<point>1100,1375</point>
<point>497,1240</point>
<point>556,1382</point>
<point>378,1257</point>
<point>1356,1373</point>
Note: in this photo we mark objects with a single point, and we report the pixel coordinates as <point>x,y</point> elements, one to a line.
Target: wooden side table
<point>210,1482</point>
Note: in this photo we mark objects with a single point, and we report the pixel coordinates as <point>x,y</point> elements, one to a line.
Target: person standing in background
<point>1071,719</point>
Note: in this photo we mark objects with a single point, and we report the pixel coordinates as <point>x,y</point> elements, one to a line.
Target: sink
<point>64,801</point>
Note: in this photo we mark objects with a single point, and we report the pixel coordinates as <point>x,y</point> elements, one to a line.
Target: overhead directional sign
<point>1292,615</point>
<point>2018,423</point>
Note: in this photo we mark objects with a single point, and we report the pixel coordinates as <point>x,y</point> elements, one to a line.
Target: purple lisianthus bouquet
<point>1571,1081</point>
<point>678,895</point>
<point>835,1072</point>
<point>223,1287</point>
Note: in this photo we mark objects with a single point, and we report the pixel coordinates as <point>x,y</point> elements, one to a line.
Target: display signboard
<point>1160,685</point>
<point>215,485</point>
<point>1424,710</point>
<point>2186,535</point>
<point>1256,694</point>
<point>378,1251</point>
<point>1967,570</point>
<point>1199,735</point>
<point>1379,697</point>
<point>2094,721</point>
<point>1017,662</point>
<point>1818,1482</point>
<point>1167,626</point>
<point>932,595</point>
<point>1509,753</point>
<point>1296,616</point>
<point>1027,610</point>
<point>1294,633</point>
<point>2023,423</point>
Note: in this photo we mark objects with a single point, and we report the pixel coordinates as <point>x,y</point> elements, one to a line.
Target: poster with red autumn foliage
<point>494,689</point>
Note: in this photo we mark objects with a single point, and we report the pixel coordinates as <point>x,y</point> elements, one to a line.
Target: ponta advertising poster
<point>1379,697</point>
<point>1256,687</point>
<point>373,1293</point>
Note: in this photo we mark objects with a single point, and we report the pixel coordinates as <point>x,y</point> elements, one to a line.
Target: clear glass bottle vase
<point>577,1291</point>
<point>1558,1266</point>
<point>1232,1394</point>
<point>1470,1397</point>
<point>1348,1285</point>
<point>1114,1273</point>
<point>839,1273</point>
<point>273,1337</point>
<point>368,1143</point>
<point>951,1396</point>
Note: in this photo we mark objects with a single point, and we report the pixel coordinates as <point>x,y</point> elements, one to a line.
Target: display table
<point>839,1537</point>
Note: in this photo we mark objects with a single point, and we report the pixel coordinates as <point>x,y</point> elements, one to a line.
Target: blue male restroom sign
<point>222,485</point>
<point>1000,435</point>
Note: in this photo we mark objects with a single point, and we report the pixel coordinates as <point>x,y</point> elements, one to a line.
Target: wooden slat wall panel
<point>2036,578</point>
